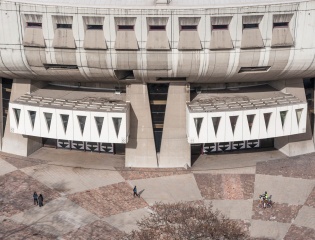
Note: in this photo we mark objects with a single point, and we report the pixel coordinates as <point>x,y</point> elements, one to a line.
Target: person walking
<point>40,200</point>
<point>135,193</point>
<point>35,197</point>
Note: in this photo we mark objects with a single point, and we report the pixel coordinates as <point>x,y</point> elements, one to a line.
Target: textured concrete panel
<point>94,39</point>
<point>63,38</point>
<point>140,149</point>
<point>251,38</point>
<point>221,39</point>
<point>35,56</point>
<point>126,40</point>
<point>175,149</point>
<point>65,56</point>
<point>157,60</point>
<point>33,37</point>
<point>189,40</point>
<point>127,60</point>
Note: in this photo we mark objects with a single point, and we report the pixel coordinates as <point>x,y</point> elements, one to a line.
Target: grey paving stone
<point>72,179</point>
<point>268,229</point>
<point>306,217</point>
<point>127,221</point>
<point>168,189</point>
<point>6,167</point>
<point>283,189</point>
<point>233,209</point>
<point>58,217</point>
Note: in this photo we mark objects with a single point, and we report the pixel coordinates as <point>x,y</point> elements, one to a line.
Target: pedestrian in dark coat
<point>35,197</point>
<point>135,193</point>
<point>40,200</point>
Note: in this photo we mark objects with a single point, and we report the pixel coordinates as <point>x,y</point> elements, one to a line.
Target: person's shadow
<point>139,193</point>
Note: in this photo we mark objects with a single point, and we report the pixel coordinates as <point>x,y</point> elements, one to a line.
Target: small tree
<point>185,221</point>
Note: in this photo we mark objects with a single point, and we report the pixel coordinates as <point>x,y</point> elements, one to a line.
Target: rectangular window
<point>64,25</point>
<point>220,27</point>
<point>95,27</point>
<point>188,27</point>
<point>126,27</point>
<point>60,66</point>
<point>251,25</point>
<point>254,69</point>
<point>34,25</point>
<point>157,28</point>
<point>280,24</point>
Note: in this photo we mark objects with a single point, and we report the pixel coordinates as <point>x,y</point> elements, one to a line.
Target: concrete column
<point>300,143</point>
<point>16,143</point>
<point>140,149</point>
<point>1,114</point>
<point>175,149</point>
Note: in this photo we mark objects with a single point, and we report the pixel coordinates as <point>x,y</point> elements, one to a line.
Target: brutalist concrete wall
<point>16,143</point>
<point>175,149</point>
<point>300,143</point>
<point>140,149</point>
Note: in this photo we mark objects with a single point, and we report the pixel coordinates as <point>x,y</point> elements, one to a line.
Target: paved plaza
<point>89,195</point>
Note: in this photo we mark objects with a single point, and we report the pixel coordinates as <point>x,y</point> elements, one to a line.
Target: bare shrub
<point>185,221</point>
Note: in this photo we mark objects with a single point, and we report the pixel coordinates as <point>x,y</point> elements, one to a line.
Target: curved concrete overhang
<point>244,114</point>
<point>71,115</point>
<point>74,53</point>
<point>157,4</point>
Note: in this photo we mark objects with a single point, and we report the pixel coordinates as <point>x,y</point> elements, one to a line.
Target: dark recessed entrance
<point>158,98</point>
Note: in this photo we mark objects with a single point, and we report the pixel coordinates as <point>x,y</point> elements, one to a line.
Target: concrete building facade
<point>157,79</point>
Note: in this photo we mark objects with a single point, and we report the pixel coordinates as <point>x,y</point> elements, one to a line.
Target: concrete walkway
<point>89,195</point>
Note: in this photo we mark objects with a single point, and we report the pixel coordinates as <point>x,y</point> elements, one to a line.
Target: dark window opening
<point>254,69</point>
<point>126,27</point>
<point>220,27</point>
<point>64,25</point>
<point>251,25</point>
<point>189,27</point>
<point>171,79</point>
<point>280,24</point>
<point>95,27</point>
<point>124,74</point>
<point>60,66</point>
<point>157,28</point>
<point>34,25</point>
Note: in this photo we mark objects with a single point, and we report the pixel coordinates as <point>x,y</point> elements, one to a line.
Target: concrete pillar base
<point>140,149</point>
<point>295,144</point>
<point>175,149</point>
<point>16,143</point>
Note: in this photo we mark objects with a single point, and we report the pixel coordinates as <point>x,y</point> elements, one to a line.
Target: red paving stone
<point>16,193</point>
<point>296,167</point>
<point>311,199</point>
<point>12,230</point>
<point>225,186</point>
<point>20,162</point>
<point>144,173</point>
<point>95,231</point>
<point>109,200</point>
<point>278,212</point>
<point>303,233</point>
